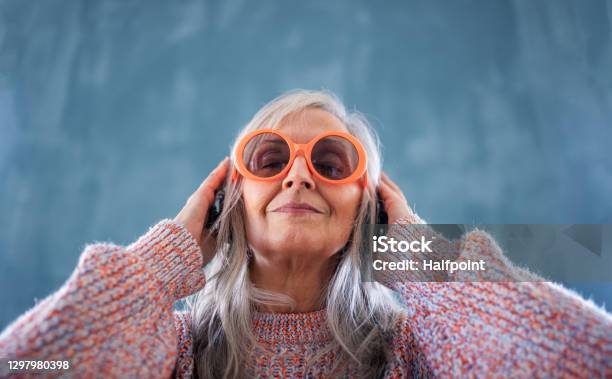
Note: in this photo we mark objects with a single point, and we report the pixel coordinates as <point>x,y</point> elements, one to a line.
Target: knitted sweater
<point>114,317</point>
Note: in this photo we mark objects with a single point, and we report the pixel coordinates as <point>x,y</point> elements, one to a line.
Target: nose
<point>299,174</point>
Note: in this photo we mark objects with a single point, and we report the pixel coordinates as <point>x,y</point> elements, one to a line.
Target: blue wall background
<point>112,112</point>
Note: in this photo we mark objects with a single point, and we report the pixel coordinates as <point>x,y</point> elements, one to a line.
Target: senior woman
<point>278,291</point>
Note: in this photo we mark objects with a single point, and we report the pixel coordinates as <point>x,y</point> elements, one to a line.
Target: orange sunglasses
<point>333,157</point>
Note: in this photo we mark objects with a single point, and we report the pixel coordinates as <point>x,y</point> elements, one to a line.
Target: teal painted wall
<point>112,112</point>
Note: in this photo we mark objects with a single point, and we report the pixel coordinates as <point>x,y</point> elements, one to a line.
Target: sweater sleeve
<point>185,364</point>
<point>114,317</point>
<point>513,323</point>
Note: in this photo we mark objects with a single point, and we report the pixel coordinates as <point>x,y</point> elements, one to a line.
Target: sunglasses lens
<point>266,155</point>
<point>335,157</point>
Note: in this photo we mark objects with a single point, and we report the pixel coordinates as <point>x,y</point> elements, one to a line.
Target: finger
<point>219,169</point>
<point>385,179</point>
<point>385,183</point>
<point>391,183</point>
<point>213,181</point>
<point>393,190</point>
<point>385,192</point>
<point>396,188</point>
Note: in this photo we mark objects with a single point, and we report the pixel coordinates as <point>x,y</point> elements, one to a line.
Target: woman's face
<point>281,234</point>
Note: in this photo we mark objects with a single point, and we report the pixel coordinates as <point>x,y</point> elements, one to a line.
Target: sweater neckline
<point>291,328</point>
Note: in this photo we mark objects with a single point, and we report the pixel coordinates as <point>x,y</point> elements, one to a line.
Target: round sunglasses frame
<point>306,149</point>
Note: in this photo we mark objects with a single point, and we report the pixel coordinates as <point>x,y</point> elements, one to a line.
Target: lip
<point>294,207</point>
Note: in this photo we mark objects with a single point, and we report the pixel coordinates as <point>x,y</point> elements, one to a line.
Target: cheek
<point>253,195</point>
<point>256,197</point>
<point>345,202</point>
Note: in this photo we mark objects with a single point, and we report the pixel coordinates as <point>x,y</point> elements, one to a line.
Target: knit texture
<point>114,317</point>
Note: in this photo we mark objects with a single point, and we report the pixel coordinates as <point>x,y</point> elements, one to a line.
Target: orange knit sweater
<point>114,317</point>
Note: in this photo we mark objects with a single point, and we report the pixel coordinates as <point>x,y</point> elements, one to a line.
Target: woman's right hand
<point>194,213</point>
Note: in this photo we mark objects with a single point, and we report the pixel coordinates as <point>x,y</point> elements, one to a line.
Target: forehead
<point>306,124</point>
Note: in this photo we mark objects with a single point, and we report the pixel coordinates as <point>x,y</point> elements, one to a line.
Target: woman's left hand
<point>394,200</point>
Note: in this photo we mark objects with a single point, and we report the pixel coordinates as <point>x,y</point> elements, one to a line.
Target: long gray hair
<point>360,314</point>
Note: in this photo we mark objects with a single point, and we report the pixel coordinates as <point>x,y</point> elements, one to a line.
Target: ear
<point>234,174</point>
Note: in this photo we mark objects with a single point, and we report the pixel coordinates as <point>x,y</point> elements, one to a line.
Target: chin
<point>296,238</point>
<point>301,224</point>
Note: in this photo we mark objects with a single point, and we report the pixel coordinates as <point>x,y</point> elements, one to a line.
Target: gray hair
<point>360,314</point>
